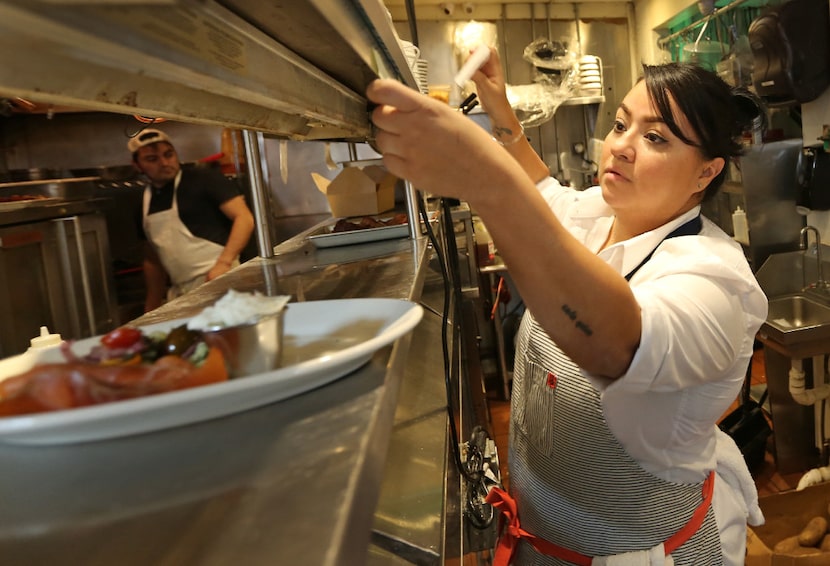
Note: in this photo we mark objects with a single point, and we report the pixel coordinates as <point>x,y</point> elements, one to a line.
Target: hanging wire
<point>145,122</point>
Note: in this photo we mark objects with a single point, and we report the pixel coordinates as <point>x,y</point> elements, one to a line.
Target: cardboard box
<point>358,192</point>
<point>786,514</point>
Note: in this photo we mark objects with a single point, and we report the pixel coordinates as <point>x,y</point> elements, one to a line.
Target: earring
<point>698,186</point>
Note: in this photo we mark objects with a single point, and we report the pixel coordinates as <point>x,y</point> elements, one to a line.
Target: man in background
<point>195,220</point>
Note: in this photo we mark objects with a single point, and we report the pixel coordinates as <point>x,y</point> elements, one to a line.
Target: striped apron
<point>574,484</point>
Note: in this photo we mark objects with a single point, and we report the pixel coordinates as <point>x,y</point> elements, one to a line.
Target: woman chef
<point>640,324</point>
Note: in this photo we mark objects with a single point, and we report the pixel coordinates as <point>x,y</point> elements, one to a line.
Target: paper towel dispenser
<point>791,51</point>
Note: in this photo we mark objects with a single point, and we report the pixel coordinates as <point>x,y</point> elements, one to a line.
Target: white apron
<point>185,257</point>
<point>574,484</point>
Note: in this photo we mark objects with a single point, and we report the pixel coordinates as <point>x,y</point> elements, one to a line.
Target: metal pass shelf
<point>294,69</point>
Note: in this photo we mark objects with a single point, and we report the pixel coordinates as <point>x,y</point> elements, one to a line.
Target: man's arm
<point>243,226</point>
<point>155,279</point>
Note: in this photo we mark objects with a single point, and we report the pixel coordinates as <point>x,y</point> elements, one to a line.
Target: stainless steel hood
<point>289,68</point>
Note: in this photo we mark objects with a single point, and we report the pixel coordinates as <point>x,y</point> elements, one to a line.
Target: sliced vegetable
<point>180,340</point>
<point>121,337</point>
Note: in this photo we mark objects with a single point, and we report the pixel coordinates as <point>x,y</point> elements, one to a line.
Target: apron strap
<point>696,520</point>
<point>511,531</point>
<point>690,228</point>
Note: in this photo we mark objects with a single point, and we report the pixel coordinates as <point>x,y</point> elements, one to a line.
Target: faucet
<point>820,284</point>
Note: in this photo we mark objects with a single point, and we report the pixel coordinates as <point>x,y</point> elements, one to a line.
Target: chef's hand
<point>492,93</point>
<point>437,148</point>
<point>219,268</point>
<point>489,81</point>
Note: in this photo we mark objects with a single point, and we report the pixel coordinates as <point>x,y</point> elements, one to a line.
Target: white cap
<point>46,339</point>
<point>146,137</point>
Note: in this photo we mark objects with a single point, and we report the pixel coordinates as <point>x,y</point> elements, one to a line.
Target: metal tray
<point>323,237</point>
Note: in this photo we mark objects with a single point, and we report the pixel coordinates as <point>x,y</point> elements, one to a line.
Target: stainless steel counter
<point>37,211</point>
<point>295,482</point>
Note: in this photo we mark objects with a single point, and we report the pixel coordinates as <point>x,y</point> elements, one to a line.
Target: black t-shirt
<point>201,191</point>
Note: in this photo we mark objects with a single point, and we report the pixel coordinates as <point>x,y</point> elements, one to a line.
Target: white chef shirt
<point>701,307</point>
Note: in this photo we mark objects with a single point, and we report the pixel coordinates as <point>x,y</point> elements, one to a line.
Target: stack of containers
<point>590,75</point>
<point>418,66</point>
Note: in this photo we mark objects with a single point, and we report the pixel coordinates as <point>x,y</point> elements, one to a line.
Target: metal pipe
<point>503,35</point>
<point>85,286</point>
<point>412,210</point>
<point>413,24</point>
<point>531,5</point>
<point>717,13</point>
<point>633,50</point>
<point>533,36</point>
<point>552,122</point>
<point>547,18</point>
<point>62,242</point>
<point>262,222</point>
<point>820,283</point>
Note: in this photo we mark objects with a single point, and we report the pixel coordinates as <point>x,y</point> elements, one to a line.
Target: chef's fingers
<point>399,106</point>
<point>392,93</point>
<point>426,141</point>
<point>403,118</point>
<point>492,68</point>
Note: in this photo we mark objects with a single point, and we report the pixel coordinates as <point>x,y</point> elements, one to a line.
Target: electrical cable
<point>474,472</point>
<point>445,323</point>
<point>497,301</point>
<point>480,514</point>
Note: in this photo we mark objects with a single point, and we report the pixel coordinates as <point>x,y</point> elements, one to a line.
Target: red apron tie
<point>696,520</point>
<point>510,536</point>
<point>511,531</point>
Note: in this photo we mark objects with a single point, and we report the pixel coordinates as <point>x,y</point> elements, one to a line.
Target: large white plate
<point>324,340</point>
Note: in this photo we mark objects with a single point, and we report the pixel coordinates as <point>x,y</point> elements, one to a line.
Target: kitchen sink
<point>797,318</point>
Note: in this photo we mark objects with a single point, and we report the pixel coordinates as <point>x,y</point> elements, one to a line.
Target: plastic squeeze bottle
<point>45,340</point>
<point>740,227</point>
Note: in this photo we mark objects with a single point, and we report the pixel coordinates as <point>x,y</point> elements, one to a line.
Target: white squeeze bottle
<point>740,227</point>
<point>20,363</point>
<point>45,340</point>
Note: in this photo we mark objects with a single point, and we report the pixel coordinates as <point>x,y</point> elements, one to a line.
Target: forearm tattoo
<point>582,326</point>
<point>500,131</point>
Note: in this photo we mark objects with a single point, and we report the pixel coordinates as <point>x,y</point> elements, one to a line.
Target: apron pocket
<point>535,414</point>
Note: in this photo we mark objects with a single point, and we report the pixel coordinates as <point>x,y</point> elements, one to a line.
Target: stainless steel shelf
<point>294,69</point>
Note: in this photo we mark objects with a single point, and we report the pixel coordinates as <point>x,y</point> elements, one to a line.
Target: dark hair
<point>718,113</point>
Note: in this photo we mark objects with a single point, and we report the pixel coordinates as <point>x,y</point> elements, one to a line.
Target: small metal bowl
<point>252,348</point>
